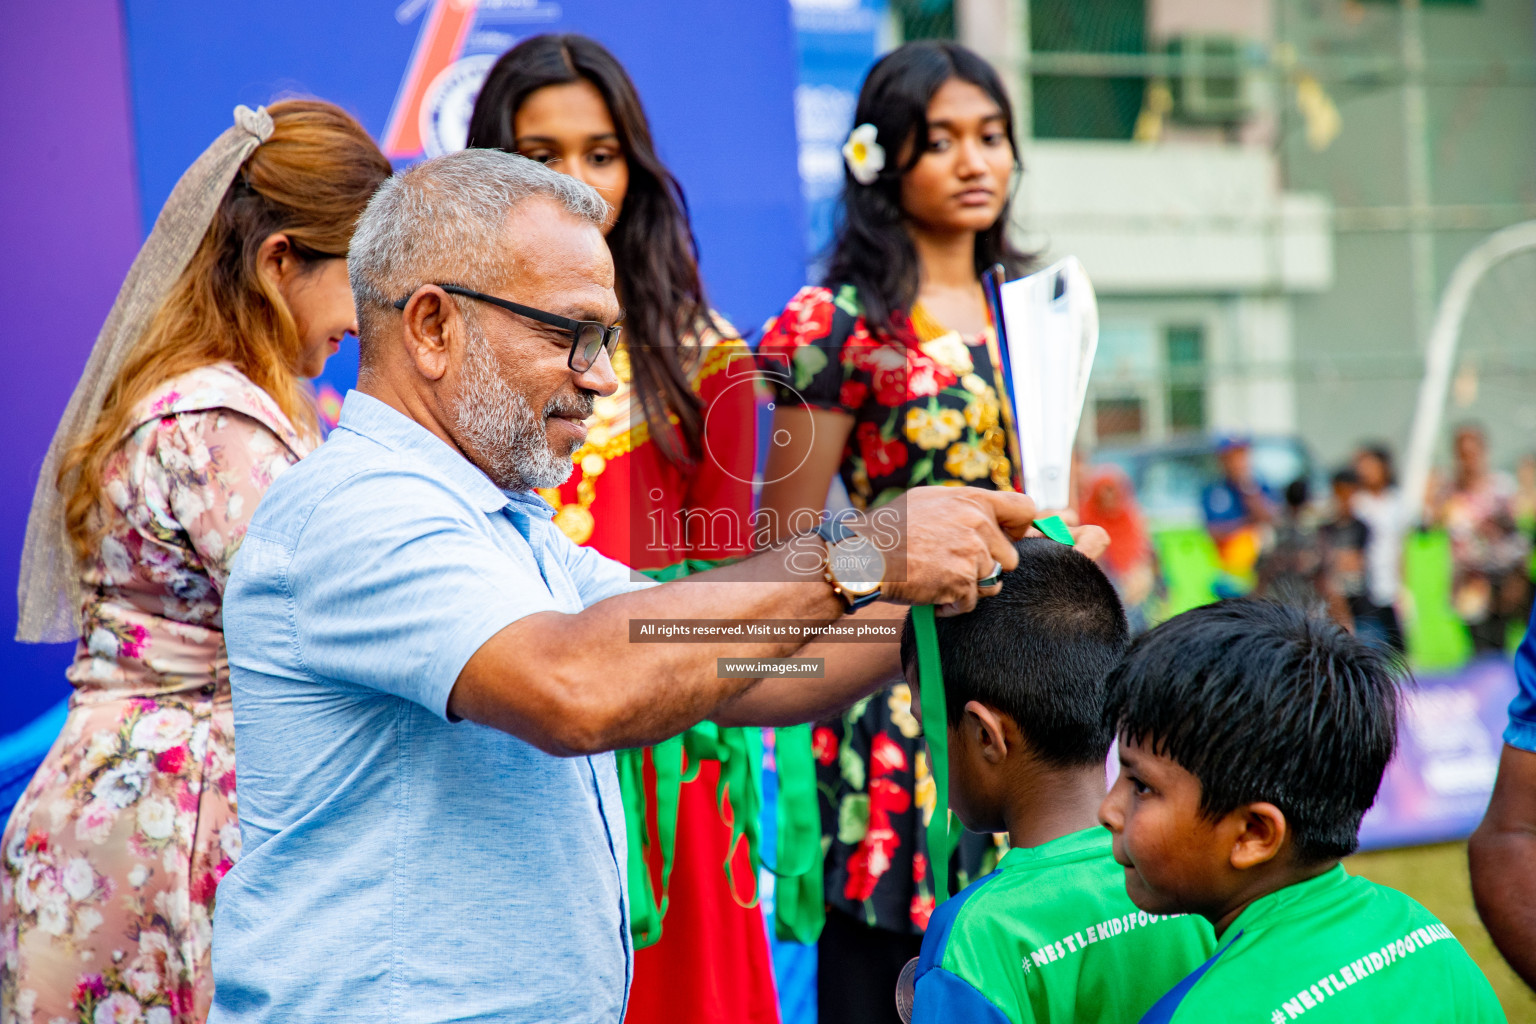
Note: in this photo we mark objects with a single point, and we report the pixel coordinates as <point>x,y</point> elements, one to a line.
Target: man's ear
<point>431,319</point>
<point>986,728</point>
<point>1261,831</point>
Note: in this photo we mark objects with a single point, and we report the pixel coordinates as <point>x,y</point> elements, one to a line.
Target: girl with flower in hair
<point>191,404</point>
<point>889,380</point>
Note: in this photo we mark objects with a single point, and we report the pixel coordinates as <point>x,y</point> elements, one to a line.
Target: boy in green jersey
<point>1253,737</point>
<point>1050,935</point>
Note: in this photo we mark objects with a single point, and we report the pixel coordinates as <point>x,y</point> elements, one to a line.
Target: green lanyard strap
<point>930,677</point>
<point>798,907</point>
<point>942,834</point>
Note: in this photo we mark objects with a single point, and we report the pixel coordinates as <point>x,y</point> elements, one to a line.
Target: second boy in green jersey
<point>1253,738</point>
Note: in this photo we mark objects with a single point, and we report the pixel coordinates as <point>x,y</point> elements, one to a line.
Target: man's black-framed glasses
<point>588,337</point>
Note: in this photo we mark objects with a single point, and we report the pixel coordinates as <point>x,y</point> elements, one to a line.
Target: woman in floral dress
<point>191,406</point>
<point>890,381</point>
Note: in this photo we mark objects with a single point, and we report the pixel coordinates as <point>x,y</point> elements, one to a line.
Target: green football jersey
<point>1333,948</point>
<point>1052,936</point>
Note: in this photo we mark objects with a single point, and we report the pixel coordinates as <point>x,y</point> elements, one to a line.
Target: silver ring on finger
<point>993,578</point>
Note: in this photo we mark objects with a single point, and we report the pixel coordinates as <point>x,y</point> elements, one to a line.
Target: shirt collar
<point>1071,846</point>
<point>1301,898</point>
<point>368,417</point>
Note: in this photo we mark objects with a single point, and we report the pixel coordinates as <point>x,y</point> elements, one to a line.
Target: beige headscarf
<point>48,594</point>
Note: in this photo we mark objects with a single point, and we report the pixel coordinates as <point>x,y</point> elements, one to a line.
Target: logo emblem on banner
<point>437,48</point>
<point>459,42</point>
<point>449,102</point>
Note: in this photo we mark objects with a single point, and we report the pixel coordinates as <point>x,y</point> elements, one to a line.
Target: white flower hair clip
<point>864,156</point>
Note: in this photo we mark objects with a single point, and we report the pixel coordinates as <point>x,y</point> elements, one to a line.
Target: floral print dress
<point>109,863</point>
<point>926,411</point>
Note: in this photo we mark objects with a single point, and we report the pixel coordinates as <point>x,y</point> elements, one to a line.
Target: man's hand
<point>1092,541</point>
<point>1502,856</point>
<point>950,538</point>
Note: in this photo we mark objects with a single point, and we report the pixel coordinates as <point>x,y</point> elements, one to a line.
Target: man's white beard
<point>505,432</point>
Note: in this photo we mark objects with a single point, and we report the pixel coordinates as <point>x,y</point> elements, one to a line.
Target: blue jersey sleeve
<point>1163,1010</point>
<point>945,998</point>
<point>1521,731</point>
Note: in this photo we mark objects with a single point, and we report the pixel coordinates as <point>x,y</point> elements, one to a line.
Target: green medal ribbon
<point>942,833</point>
<point>1054,528</point>
<point>930,678</point>
<point>798,907</point>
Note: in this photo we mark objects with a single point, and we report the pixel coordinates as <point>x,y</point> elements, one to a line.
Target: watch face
<point>857,565</point>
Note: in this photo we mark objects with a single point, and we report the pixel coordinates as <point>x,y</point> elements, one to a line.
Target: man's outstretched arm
<point>1502,854</point>
<point>574,684</point>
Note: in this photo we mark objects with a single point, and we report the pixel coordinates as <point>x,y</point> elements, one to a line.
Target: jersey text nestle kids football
<point>1052,936</point>
<point>1339,949</point>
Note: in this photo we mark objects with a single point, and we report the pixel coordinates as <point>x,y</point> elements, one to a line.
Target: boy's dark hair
<point>1038,652</point>
<point>1298,492</point>
<point>1265,701</point>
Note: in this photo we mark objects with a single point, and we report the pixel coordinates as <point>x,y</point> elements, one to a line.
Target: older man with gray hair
<point>429,678</point>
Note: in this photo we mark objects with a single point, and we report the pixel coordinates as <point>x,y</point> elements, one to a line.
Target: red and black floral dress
<point>926,410</point>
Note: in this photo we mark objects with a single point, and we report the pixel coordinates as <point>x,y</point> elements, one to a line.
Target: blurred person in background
<point>1490,585</point>
<point>191,404</point>
<point>1294,567</point>
<point>1109,500</point>
<point>1379,506</point>
<point>1524,502</point>
<point>890,383</point>
<point>1345,539</point>
<point>566,102</point>
<point>1238,508</point>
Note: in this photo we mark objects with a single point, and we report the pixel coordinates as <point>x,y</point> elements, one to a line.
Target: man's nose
<point>599,377</point>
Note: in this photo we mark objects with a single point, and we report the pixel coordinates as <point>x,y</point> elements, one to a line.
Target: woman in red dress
<point>664,480</point>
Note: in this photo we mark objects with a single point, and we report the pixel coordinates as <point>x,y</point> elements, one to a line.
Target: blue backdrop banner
<point>717,81</point>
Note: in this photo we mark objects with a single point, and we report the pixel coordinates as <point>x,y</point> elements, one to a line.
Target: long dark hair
<point>655,256</point>
<point>872,250</point>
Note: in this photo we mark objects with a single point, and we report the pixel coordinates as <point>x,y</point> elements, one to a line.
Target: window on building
<point>1083,106</point>
<point>1119,418</point>
<point>1184,350</point>
<point>925,19</point>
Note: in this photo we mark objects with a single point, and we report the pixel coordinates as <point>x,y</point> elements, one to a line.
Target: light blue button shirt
<point>398,866</point>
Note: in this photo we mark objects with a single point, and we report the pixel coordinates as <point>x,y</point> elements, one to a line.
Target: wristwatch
<point>854,565</point>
